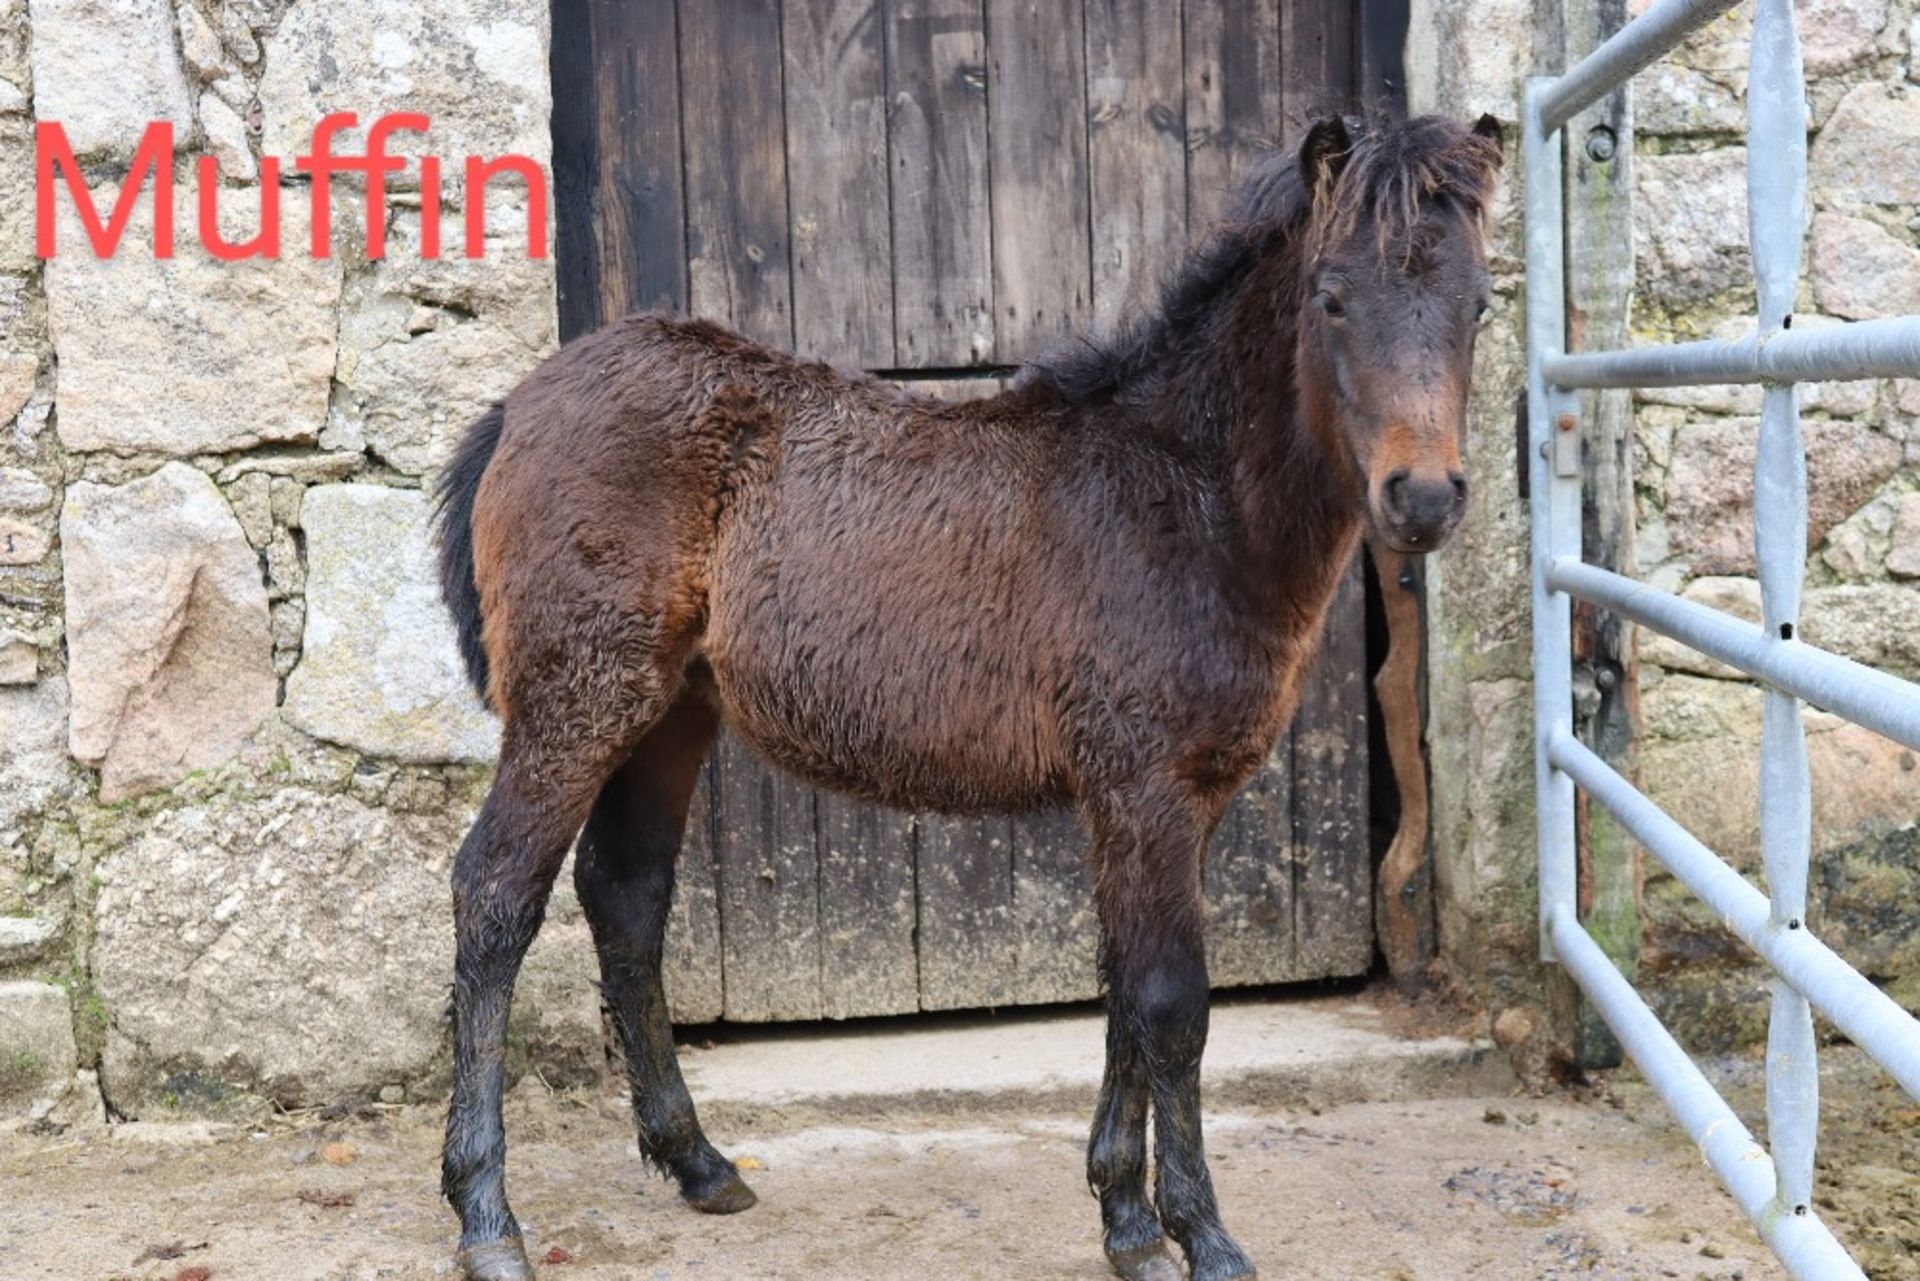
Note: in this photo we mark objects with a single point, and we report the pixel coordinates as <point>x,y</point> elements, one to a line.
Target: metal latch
<point>1564,449</point>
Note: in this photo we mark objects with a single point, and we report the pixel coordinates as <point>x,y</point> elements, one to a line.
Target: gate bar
<point>1554,510</point>
<point>1864,695</point>
<point>1870,1018</point>
<point>1801,1240</point>
<point>1636,45</point>
<point>1862,349</point>
<point>1776,227</point>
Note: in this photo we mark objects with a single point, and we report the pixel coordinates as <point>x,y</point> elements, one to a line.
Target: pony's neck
<point>1232,395</point>
<point>1211,373</point>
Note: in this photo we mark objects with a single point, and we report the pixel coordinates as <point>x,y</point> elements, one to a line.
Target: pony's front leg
<point>1147,856</point>
<point>1117,1154</point>
<point>501,879</point>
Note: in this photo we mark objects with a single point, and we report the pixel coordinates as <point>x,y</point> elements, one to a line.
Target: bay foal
<point>1098,589</point>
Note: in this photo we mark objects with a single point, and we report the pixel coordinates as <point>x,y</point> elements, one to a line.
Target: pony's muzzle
<point>1416,511</point>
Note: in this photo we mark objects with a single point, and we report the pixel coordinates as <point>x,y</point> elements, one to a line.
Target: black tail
<point>453,501</point>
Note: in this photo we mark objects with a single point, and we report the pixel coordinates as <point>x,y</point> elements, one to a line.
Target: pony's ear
<point>1490,128</point>
<point>1324,154</point>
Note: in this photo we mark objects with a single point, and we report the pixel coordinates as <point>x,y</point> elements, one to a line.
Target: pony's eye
<point>1331,304</point>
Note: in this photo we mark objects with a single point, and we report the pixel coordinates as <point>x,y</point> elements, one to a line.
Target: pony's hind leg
<point>624,874</point>
<point>501,879</point>
<point>562,741</point>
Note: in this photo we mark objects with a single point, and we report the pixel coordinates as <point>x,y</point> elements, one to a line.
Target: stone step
<point>1315,1050</point>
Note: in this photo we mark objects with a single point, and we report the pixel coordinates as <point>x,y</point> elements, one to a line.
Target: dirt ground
<point>1587,1184</point>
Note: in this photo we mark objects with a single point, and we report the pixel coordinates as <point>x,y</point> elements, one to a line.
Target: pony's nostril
<point>1394,490</point>
<point>1459,486</point>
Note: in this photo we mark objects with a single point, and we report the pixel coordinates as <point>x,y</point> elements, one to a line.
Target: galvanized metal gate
<point>1775,1190</point>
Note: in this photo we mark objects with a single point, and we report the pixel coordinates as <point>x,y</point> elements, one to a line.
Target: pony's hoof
<point>502,1260</point>
<point>1230,1265</point>
<point>732,1196</point>
<point>1149,1262</point>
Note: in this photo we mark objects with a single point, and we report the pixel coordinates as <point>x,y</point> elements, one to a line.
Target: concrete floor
<point>1342,1148</point>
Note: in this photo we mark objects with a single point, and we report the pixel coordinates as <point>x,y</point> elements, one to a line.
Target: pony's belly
<point>894,650</point>
<point>898,781</point>
<point>884,744</point>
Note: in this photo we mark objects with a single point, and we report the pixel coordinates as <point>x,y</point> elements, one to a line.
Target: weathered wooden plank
<point>578,203</point>
<point>1599,202</point>
<point>620,223</point>
<point>691,966</point>
<point>1053,910</point>
<point>766,847</point>
<point>1256,867</point>
<point>1249,880</point>
<point>1037,166</point>
<point>1233,98</point>
<point>969,944</point>
<point>1332,863</point>
<point>1137,153</point>
<point>842,233</point>
<point>620,212</point>
<point>1319,65</point>
<point>1333,888</point>
<point>1403,900</point>
<point>937,138</point>
<point>1380,64</point>
<point>765,843</point>
<point>737,260</point>
<point>867,906</point>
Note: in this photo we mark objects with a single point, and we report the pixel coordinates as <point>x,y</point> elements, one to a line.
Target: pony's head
<point>1395,288</point>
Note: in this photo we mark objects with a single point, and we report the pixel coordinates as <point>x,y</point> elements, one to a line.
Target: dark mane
<point>1397,171</point>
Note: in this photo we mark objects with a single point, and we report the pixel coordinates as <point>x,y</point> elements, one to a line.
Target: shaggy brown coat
<point>1099,589</point>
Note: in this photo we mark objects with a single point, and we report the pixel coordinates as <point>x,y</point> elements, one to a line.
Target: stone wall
<point>239,749</point>
<point>1699,722</point>
<point>1480,709</point>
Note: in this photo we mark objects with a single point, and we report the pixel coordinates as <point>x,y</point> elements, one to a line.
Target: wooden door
<point>938,190</point>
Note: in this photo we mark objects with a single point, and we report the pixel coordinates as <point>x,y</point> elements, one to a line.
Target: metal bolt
<point>1600,144</point>
<point>1605,678</point>
<point>1565,422</point>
